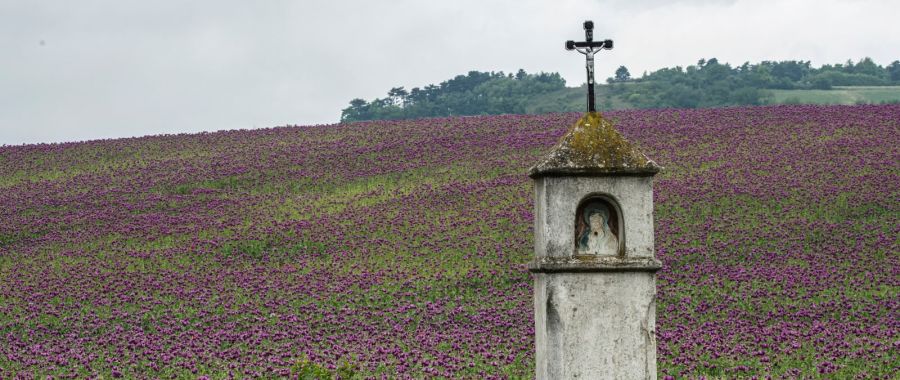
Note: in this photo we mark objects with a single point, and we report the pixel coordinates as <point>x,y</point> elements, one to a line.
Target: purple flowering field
<point>398,249</point>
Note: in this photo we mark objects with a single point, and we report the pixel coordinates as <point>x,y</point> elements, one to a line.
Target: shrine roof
<point>593,147</point>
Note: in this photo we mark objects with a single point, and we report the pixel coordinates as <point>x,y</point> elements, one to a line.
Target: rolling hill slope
<point>397,249</point>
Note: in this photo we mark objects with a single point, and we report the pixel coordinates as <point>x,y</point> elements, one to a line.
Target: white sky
<point>88,69</point>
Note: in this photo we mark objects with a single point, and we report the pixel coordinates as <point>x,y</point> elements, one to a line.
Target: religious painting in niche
<point>597,228</point>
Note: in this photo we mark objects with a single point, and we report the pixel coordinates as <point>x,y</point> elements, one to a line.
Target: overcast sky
<point>78,70</point>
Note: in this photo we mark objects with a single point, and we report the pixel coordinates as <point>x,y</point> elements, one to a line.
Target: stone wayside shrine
<point>594,266</point>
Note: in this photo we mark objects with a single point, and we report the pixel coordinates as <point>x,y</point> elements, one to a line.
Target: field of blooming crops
<point>398,249</point>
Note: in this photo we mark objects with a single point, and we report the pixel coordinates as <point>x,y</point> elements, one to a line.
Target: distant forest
<point>706,84</point>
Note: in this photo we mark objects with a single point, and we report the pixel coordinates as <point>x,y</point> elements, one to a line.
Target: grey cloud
<point>131,68</point>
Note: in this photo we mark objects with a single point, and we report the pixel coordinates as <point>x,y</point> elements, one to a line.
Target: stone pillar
<point>594,266</point>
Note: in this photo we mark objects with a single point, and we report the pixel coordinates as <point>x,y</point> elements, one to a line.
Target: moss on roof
<point>593,147</point>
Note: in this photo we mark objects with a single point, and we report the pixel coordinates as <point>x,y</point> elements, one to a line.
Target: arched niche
<point>599,227</point>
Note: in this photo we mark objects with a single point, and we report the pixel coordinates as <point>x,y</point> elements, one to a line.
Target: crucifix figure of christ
<point>589,47</point>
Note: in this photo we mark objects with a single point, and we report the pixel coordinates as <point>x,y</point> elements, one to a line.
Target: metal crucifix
<point>589,48</point>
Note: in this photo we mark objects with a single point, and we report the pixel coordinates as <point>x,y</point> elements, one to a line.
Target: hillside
<point>398,248</point>
<point>707,84</point>
<point>839,95</point>
<point>572,99</point>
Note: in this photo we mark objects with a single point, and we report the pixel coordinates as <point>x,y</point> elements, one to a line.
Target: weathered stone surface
<point>595,326</point>
<point>595,313</point>
<point>594,263</point>
<point>556,201</point>
<point>593,147</point>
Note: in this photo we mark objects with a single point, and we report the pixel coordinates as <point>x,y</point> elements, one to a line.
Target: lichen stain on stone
<point>649,333</point>
<point>593,146</point>
<point>595,139</point>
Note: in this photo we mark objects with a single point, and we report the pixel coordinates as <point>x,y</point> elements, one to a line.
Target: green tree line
<point>709,83</point>
<point>477,93</point>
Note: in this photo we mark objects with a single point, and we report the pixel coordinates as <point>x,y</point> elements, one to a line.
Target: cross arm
<point>605,44</point>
